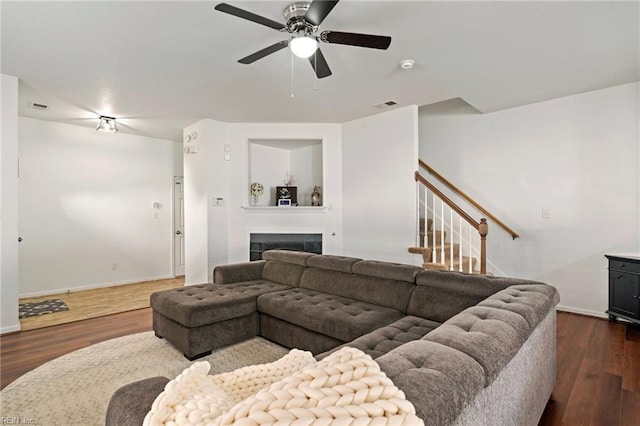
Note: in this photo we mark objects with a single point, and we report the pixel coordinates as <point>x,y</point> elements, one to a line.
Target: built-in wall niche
<point>272,161</point>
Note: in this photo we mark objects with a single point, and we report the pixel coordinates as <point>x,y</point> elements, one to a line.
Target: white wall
<point>306,166</point>
<point>205,177</point>
<point>380,154</point>
<point>9,205</point>
<point>85,201</point>
<point>243,222</point>
<point>270,161</point>
<point>577,157</point>
<point>218,235</point>
<point>268,166</point>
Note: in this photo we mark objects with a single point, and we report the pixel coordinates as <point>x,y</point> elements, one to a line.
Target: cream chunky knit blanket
<point>346,388</point>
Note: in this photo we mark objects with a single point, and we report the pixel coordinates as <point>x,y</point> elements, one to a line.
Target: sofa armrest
<point>130,404</point>
<point>238,272</point>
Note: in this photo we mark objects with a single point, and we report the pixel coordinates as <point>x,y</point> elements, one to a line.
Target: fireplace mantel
<point>292,209</point>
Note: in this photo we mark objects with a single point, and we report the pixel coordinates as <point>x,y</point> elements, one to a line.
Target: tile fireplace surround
<point>258,243</point>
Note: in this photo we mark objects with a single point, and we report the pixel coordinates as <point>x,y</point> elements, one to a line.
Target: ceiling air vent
<point>41,107</point>
<point>386,104</point>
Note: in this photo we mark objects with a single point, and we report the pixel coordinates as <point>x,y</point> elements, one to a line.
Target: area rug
<point>26,310</point>
<point>75,388</point>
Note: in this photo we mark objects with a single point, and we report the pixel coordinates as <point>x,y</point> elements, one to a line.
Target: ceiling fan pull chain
<point>292,74</point>
<point>315,67</point>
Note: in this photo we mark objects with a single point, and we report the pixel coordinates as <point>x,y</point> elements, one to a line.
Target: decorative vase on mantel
<point>257,189</point>
<point>315,196</point>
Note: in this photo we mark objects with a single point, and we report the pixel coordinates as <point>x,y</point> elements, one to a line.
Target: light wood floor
<point>97,302</point>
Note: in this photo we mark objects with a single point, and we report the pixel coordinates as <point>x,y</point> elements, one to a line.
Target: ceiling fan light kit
<point>107,124</point>
<point>303,20</point>
<point>303,46</point>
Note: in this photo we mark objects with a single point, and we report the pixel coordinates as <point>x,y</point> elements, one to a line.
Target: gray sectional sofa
<point>465,349</point>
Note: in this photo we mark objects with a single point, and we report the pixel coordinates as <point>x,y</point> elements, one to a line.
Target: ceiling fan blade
<point>264,52</point>
<point>355,39</point>
<point>318,10</point>
<point>319,64</point>
<point>240,13</point>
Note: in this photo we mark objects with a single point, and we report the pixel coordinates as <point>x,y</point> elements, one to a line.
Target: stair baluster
<point>470,247</point>
<point>452,236</point>
<point>460,263</point>
<point>442,238</point>
<point>434,258</point>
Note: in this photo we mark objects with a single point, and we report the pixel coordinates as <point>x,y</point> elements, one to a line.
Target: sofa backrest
<point>439,295</point>
<point>379,283</point>
<point>284,266</point>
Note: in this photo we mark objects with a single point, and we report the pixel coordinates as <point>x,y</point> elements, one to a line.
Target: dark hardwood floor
<point>598,373</point>
<point>23,351</point>
<point>598,362</point>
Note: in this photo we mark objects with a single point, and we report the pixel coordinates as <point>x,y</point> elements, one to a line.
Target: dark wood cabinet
<point>624,288</point>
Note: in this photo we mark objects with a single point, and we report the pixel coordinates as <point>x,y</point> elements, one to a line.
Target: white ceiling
<point>159,66</point>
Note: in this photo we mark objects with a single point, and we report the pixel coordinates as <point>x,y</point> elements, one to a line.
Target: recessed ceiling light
<point>407,64</point>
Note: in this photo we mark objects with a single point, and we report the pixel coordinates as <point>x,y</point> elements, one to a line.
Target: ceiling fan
<point>302,21</point>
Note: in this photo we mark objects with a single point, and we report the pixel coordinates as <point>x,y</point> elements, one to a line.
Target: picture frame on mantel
<point>287,193</point>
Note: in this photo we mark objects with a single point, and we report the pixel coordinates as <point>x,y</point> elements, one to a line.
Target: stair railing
<point>470,200</point>
<point>439,253</point>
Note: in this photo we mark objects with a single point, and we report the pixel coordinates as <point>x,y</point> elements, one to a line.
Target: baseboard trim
<point>582,312</point>
<point>10,329</point>
<point>93,286</point>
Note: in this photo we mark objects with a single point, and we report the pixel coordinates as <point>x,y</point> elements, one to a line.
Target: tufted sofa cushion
<point>194,306</point>
<point>437,379</point>
<point>385,339</point>
<point>378,291</point>
<point>531,301</point>
<point>487,335</point>
<point>492,332</point>
<point>334,316</point>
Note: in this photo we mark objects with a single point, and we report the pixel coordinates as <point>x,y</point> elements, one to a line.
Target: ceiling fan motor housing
<point>295,16</point>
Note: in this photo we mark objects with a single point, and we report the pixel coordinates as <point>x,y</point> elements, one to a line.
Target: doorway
<point>178,226</point>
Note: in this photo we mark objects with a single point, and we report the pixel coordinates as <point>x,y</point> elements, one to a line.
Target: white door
<point>178,226</point>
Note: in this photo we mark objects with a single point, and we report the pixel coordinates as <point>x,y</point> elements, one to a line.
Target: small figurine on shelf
<point>256,192</point>
<point>315,196</point>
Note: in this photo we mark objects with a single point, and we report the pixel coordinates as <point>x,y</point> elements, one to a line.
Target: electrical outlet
<point>114,266</point>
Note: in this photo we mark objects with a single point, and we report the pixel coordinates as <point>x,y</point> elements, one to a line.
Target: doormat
<point>26,310</point>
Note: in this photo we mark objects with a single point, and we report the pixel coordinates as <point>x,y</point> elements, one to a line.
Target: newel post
<point>483,230</point>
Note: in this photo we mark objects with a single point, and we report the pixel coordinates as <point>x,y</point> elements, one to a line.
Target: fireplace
<point>258,243</point>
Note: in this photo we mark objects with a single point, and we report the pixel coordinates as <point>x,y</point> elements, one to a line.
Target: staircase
<point>437,253</point>
<point>448,237</point>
